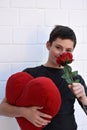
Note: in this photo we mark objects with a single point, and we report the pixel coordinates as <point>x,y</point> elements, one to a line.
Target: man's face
<point>57,48</point>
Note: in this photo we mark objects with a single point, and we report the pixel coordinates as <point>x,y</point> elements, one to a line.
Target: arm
<point>30,113</point>
<point>80,92</point>
<point>9,110</point>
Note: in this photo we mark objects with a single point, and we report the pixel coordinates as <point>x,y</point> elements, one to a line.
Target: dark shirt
<point>64,120</point>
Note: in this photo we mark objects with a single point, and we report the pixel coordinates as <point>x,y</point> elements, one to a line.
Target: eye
<point>69,50</point>
<point>58,47</point>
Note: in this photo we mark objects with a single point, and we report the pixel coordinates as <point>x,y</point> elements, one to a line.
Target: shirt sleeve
<point>84,107</point>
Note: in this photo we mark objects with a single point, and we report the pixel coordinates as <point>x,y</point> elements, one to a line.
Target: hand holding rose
<point>70,77</point>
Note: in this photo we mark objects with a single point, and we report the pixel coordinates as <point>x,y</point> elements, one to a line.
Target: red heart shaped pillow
<point>24,90</point>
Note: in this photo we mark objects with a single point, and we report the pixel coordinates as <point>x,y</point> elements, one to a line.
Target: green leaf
<point>69,81</point>
<point>76,81</point>
<point>67,78</point>
<point>64,76</point>
<point>69,75</point>
<point>74,74</point>
<point>67,68</point>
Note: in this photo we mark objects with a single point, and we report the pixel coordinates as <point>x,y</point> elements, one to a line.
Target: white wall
<point>24,29</point>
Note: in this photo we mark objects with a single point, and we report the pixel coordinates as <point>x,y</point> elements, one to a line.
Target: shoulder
<point>34,70</point>
<point>82,81</point>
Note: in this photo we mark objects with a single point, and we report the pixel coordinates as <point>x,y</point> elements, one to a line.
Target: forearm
<point>83,103</point>
<point>83,100</point>
<point>9,110</point>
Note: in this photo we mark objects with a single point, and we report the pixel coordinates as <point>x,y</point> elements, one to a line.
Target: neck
<point>53,66</point>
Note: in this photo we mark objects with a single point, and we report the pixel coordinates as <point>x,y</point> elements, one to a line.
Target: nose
<point>62,51</point>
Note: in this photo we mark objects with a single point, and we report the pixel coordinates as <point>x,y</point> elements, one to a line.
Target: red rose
<point>65,58</point>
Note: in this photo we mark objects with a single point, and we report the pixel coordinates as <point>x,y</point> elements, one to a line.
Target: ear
<point>48,45</point>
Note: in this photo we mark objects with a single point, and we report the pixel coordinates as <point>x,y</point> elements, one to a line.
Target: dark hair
<point>62,32</point>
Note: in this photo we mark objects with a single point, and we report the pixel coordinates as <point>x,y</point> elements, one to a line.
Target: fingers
<point>77,89</point>
<point>40,119</point>
<point>43,114</point>
<point>69,86</point>
<point>42,122</point>
<point>73,84</point>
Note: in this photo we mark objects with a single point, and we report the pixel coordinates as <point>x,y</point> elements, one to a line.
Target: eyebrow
<point>66,48</point>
